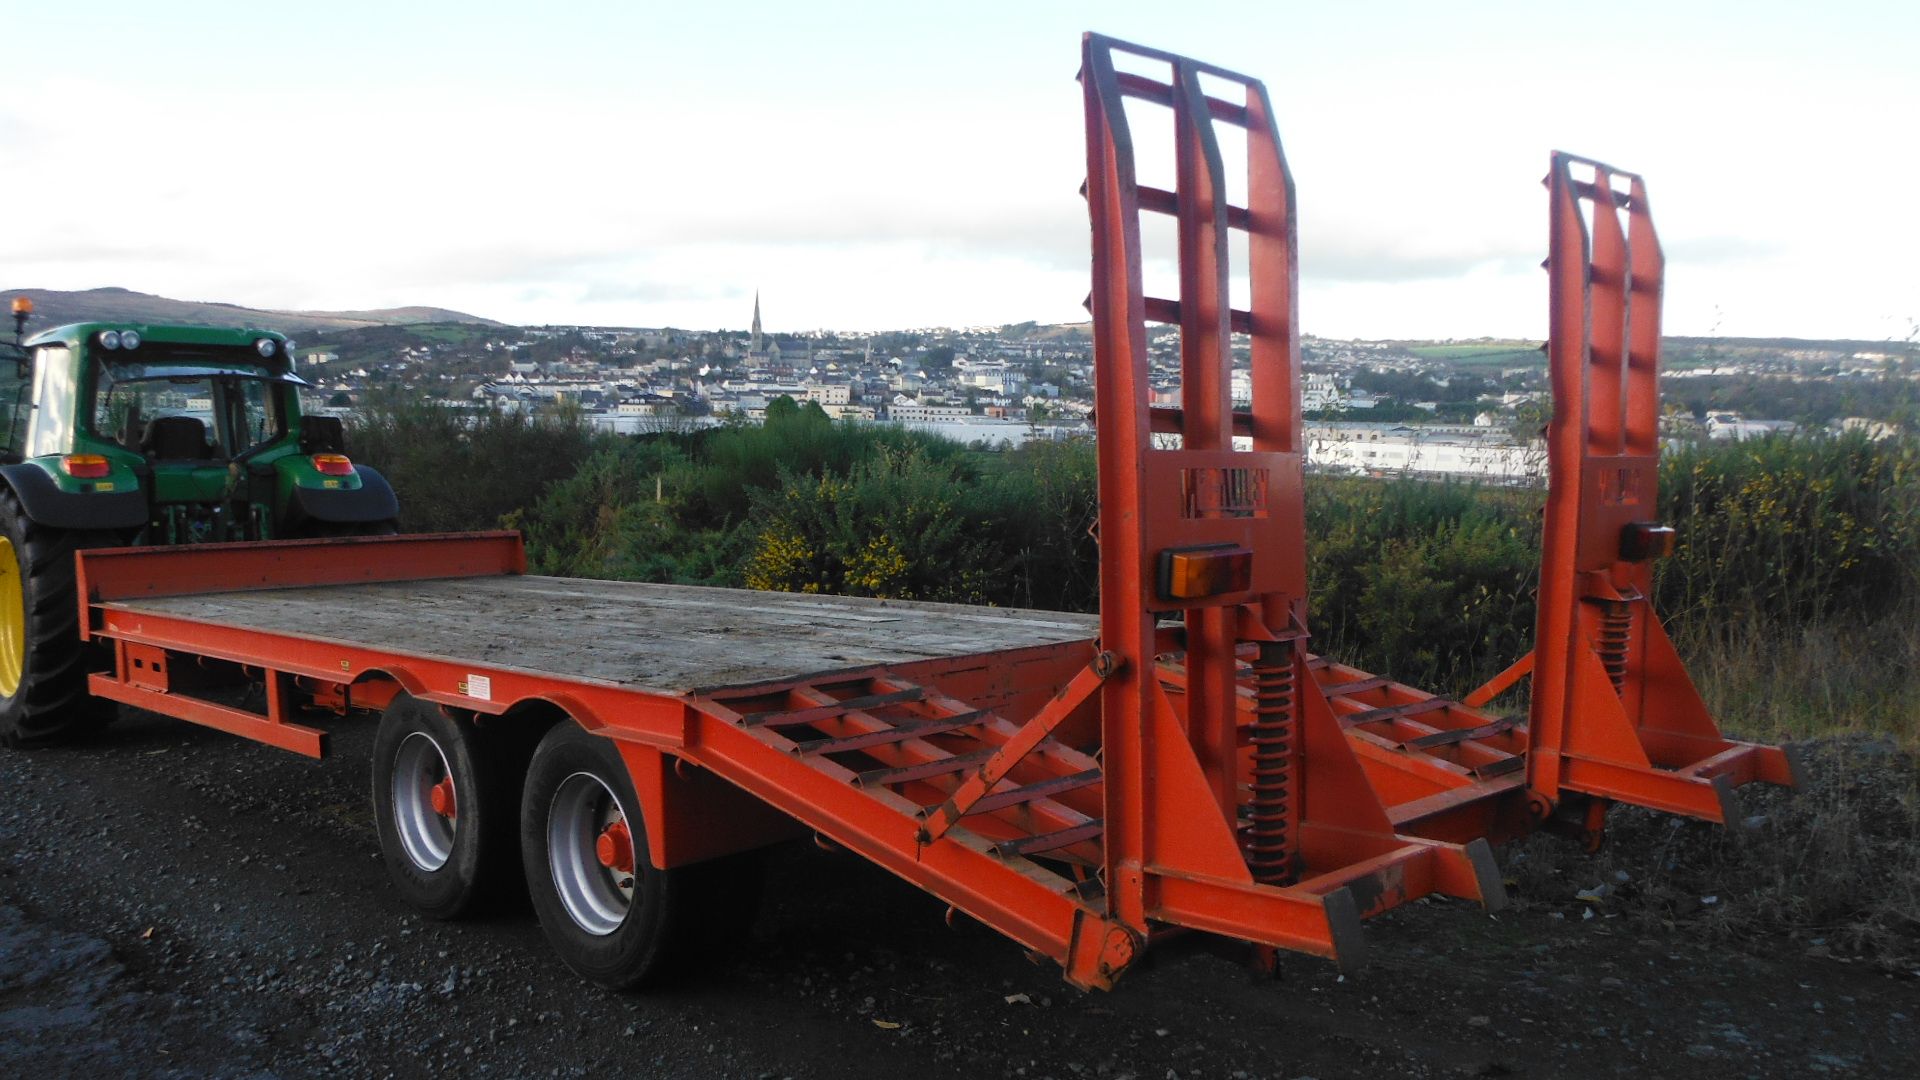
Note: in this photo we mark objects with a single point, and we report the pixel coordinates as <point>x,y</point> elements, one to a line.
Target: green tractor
<point>125,434</point>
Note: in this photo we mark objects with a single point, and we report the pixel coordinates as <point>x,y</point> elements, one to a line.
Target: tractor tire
<point>43,663</point>
<point>614,918</point>
<point>444,799</point>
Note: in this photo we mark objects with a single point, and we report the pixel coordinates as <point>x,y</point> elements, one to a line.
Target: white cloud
<point>861,183</point>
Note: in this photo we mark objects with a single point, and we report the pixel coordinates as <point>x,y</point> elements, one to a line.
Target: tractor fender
<point>45,504</point>
<point>372,501</point>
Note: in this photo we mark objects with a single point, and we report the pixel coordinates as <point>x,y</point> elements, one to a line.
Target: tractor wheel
<point>444,798</point>
<point>43,663</point>
<point>614,917</point>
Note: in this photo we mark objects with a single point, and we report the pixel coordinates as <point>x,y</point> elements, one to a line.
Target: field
<point>1485,354</point>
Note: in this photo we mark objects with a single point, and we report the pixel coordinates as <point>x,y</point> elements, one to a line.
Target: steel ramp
<point>1614,716</point>
<point>1005,821</point>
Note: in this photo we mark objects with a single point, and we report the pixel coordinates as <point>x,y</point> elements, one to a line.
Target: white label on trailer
<point>480,686</point>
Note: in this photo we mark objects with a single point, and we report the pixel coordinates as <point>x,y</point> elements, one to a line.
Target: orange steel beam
<point>976,786</point>
<point>301,740</point>
<point>1500,683</point>
<point>127,573</point>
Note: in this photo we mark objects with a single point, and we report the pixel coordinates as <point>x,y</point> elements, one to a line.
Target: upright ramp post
<point>1277,840</point>
<point>1614,715</point>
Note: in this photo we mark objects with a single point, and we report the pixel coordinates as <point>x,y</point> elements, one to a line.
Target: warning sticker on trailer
<point>479,686</point>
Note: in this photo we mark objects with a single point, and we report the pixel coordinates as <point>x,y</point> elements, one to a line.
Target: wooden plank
<point>662,638</point>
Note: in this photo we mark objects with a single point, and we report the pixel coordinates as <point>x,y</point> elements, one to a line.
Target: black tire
<point>646,940</point>
<point>47,701</point>
<point>445,865</point>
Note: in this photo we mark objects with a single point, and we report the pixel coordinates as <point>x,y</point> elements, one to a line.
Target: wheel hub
<point>440,796</point>
<point>590,853</point>
<point>423,801</point>
<point>615,848</point>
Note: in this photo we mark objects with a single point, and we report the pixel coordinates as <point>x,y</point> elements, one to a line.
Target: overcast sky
<point>876,165</point>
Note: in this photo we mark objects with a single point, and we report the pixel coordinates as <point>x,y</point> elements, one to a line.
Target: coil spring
<point>1616,635</point>
<point>1269,842</point>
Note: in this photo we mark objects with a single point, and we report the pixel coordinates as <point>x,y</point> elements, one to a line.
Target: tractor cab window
<point>187,417</point>
<point>253,420</point>
<point>14,402</point>
<point>46,413</point>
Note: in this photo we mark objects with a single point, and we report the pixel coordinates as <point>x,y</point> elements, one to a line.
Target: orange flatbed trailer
<point>1083,784</point>
<point>743,717</point>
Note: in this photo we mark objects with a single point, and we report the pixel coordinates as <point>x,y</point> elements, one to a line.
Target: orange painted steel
<point>129,573</point>
<point>1285,844</point>
<point>1614,716</point>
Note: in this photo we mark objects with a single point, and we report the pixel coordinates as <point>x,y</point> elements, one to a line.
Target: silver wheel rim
<point>425,835</point>
<point>596,897</point>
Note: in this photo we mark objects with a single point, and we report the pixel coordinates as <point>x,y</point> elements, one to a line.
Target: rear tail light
<point>332,465</point>
<point>1644,540</point>
<point>85,466</point>
<point>1206,570</point>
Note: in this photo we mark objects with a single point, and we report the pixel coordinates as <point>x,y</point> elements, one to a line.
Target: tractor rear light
<point>332,465</point>
<point>1644,540</point>
<point>109,339</point>
<point>1209,570</point>
<point>129,339</point>
<point>85,466</point>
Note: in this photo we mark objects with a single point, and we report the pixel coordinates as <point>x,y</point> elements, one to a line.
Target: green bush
<point>900,525</point>
<point>1429,582</point>
<point>1783,529</point>
<point>459,470</point>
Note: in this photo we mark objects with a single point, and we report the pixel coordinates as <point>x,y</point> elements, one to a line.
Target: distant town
<point>1467,409</point>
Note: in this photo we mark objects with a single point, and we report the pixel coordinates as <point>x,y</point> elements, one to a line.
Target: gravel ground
<point>175,902</point>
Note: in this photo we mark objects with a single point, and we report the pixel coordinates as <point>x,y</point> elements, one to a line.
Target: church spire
<point>757,347</point>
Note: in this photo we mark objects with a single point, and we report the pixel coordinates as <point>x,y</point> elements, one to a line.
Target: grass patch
<point>1835,867</point>
<point>1488,354</point>
<point>449,333</point>
<point>1825,677</point>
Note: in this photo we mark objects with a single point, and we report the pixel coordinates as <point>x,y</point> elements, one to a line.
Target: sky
<point>870,166</point>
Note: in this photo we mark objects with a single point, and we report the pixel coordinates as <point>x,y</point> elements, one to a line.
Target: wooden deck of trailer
<point>670,639</point>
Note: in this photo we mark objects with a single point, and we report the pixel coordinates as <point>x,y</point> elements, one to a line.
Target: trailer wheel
<point>43,662</point>
<point>443,802</point>
<point>611,914</point>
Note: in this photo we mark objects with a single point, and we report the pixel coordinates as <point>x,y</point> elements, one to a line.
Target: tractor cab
<point>176,434</point>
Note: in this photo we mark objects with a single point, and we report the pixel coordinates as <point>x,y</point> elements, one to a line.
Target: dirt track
<point>175,902</point>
